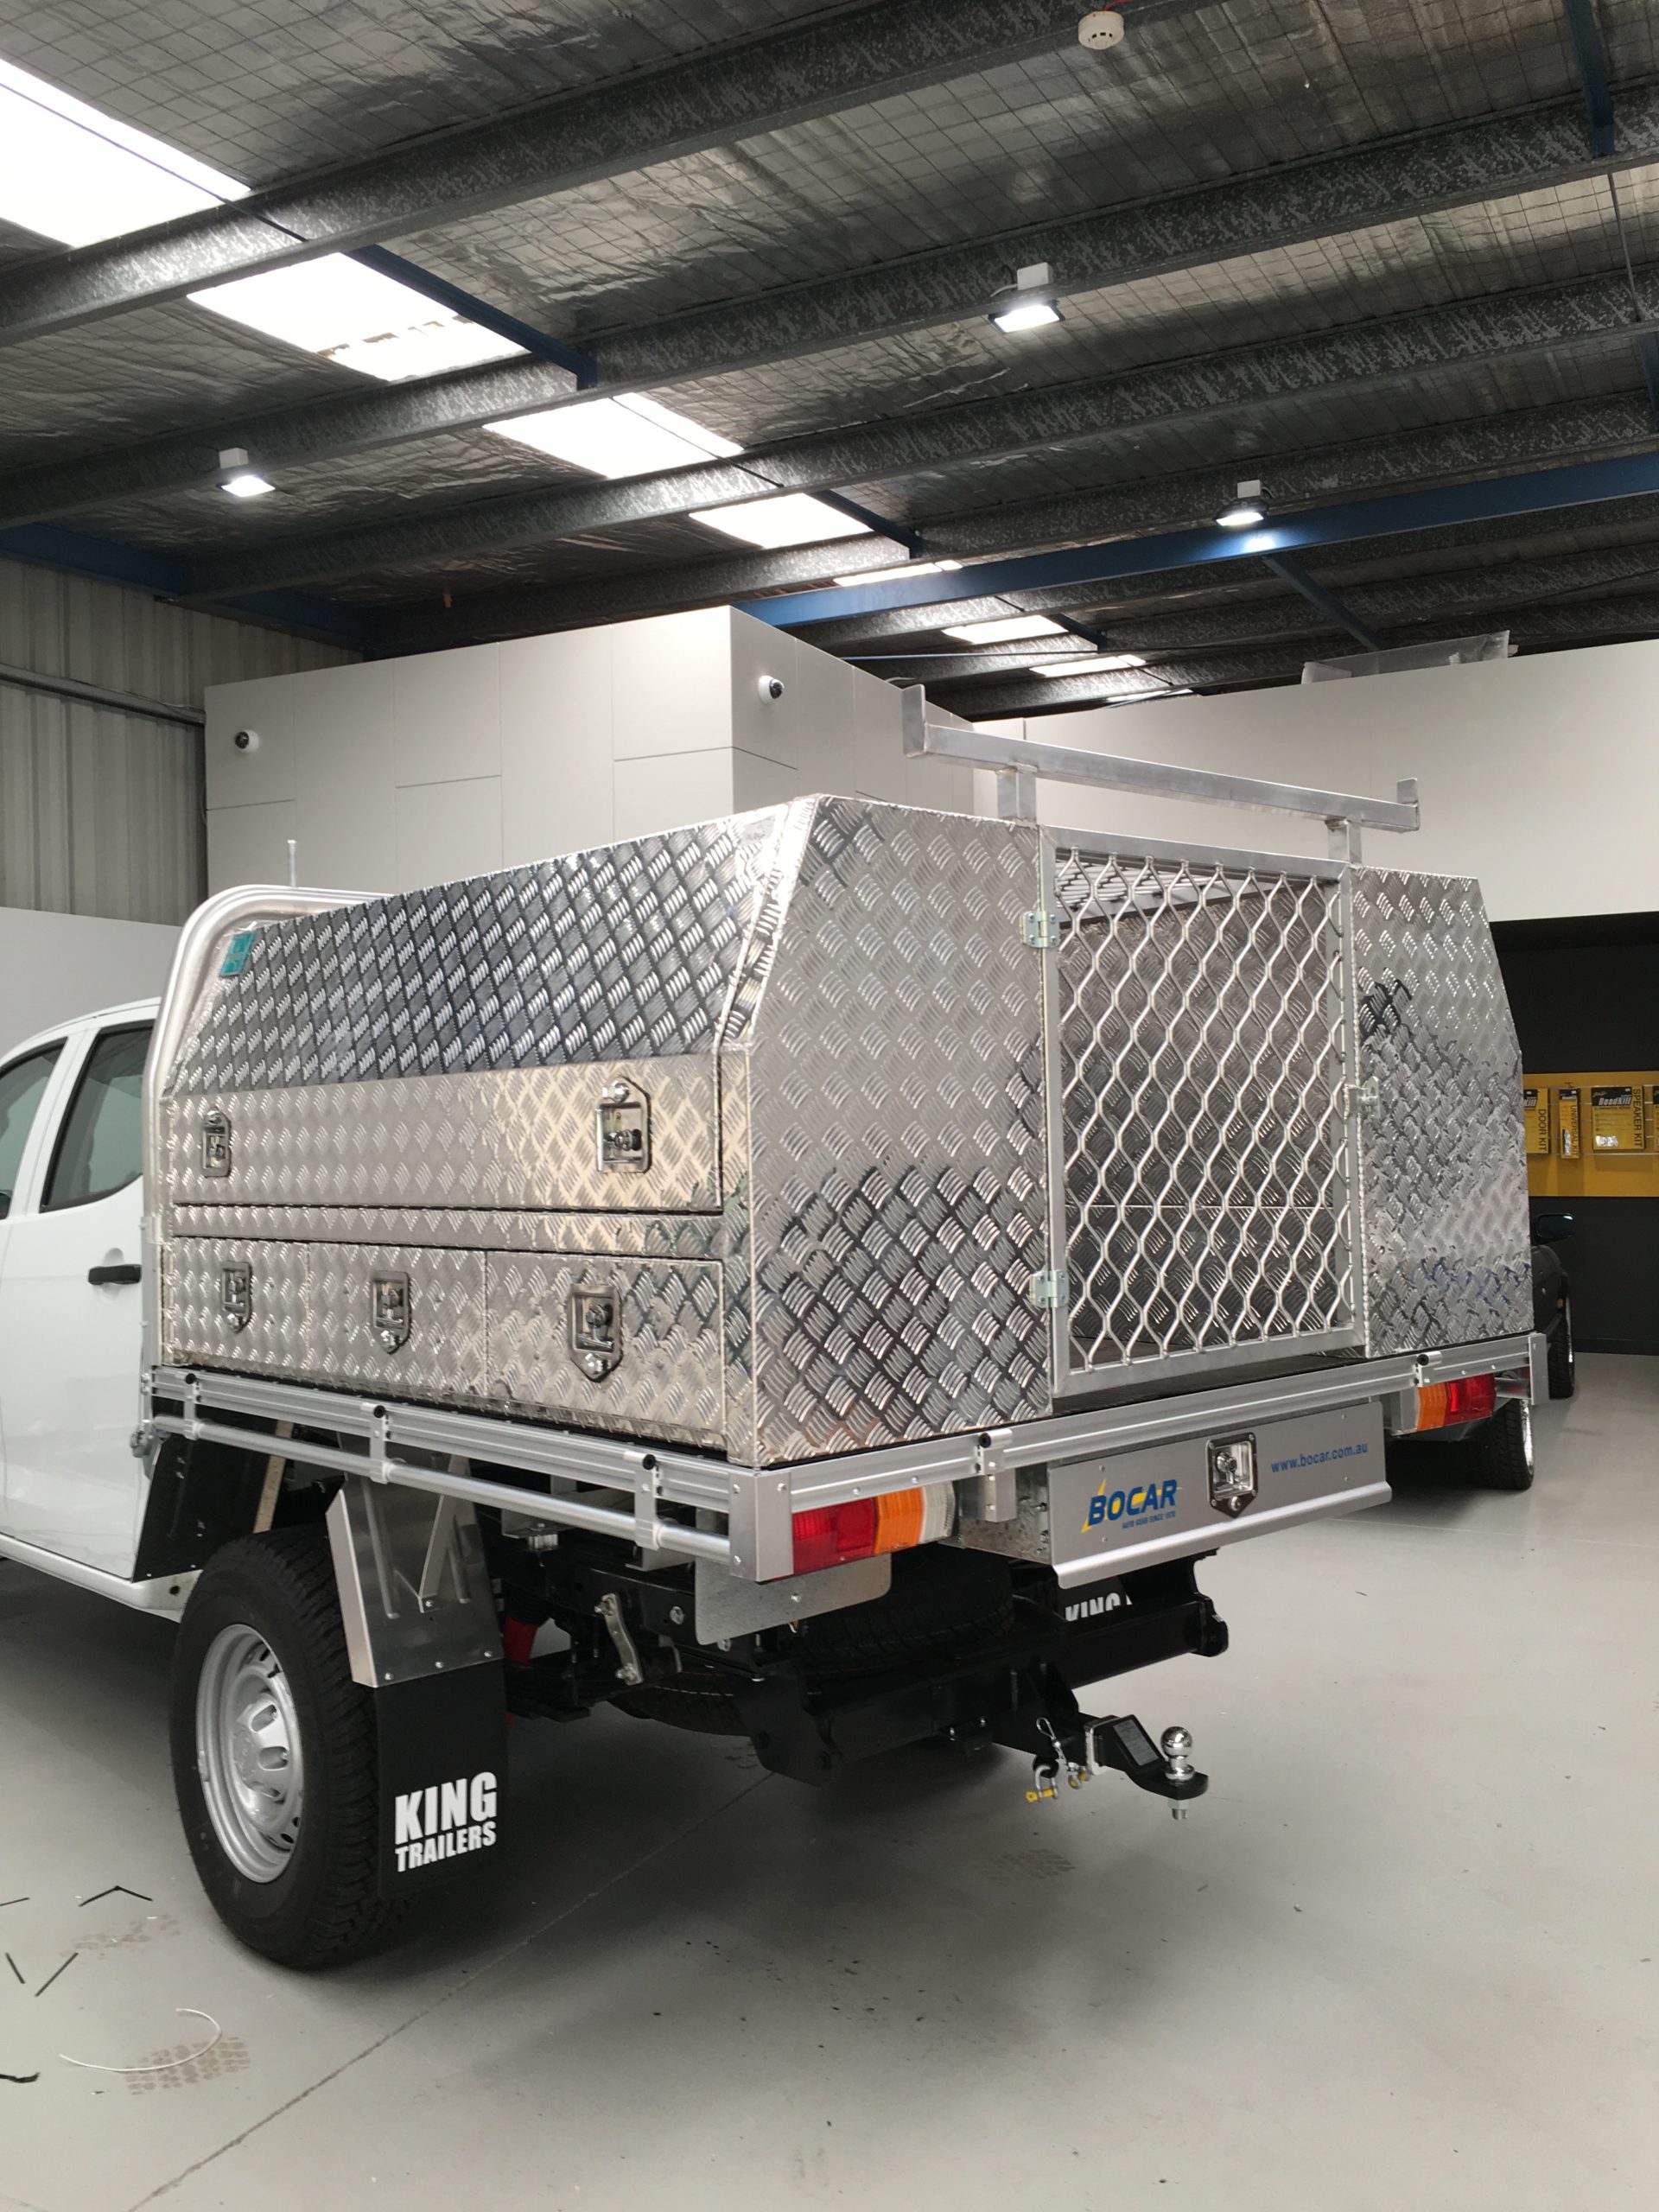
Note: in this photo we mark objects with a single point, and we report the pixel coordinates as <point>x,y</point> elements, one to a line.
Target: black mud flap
<point>443,1771</point>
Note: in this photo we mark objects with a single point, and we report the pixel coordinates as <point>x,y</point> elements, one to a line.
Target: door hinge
<point>1048,1289</point>
<point>1040,931</point>
<point>1367,1098</point>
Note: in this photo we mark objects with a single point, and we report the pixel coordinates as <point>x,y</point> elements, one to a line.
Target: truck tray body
<point>842,1126</point>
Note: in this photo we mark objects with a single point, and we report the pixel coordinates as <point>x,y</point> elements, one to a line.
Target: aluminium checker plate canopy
<point>842,1126</point>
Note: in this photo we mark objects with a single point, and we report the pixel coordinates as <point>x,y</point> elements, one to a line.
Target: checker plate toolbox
<point>836,1137</point>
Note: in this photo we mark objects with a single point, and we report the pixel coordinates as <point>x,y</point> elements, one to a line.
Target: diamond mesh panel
<point>1202,1108</point>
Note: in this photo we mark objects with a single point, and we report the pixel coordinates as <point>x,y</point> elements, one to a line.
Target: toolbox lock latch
<point>624,1130</point>
<point>216,1144</point>
<point>235,1294</point>
<point>389,1311</point>
<point>1232,1473</point>
<point>596,1331</point>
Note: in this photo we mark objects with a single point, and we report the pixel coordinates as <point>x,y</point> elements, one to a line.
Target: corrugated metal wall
<point>101,808</point>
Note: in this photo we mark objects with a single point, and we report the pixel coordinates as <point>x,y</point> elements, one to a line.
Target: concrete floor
<point>1403,1955</point>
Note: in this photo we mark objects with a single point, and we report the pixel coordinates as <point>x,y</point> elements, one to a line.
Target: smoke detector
<point>1100,29</point>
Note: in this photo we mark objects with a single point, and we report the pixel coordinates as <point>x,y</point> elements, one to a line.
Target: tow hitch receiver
<point>1117,1746</point>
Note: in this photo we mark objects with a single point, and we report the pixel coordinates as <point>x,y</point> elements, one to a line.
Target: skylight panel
<point>1088,665</point>
<point>1006,628</point>
<point>629,437</point>
<point>356,318</point>
<point>792,519</point>
<point>68,173</point>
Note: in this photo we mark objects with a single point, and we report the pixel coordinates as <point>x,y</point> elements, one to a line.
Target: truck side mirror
<point>1551,1228</point>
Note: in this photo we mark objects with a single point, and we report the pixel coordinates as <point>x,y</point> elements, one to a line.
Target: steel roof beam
<point>1395,603</point>
<point>1442,506</point>
<point>1464,164</point>
<point>1369,357</point>
<point>527,610</point>
<point>359,419</point>
<point>582,367</point>
<point>1449,451</point>
<point>1124,615</point>
<point>1582,623</point>
<point>1587,426</point>
<point>1322,601</point>
<point>764,82</point>
<point>1590,55</point>
<point>1455,166</point>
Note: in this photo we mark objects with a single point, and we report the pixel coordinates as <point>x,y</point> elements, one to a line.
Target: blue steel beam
<point>1293,573</point>
<point>49,546</point>
<point>1596,85</point>
<point>581,365</point>
<point>1591,56</point>
<point>1647,353</point>
<point>1442,508</point>
<point>900,533</point>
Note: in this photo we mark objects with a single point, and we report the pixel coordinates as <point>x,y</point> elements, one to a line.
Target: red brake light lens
<point>830,1536</point>
<point>1472,1397</point>
<point>1442,1405</point>
<point>862,1527</point>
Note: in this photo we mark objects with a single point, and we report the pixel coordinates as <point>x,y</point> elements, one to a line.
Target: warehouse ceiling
<point>1400,265</point>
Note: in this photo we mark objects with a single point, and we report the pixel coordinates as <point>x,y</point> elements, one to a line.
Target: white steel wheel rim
<point>248,1753</point>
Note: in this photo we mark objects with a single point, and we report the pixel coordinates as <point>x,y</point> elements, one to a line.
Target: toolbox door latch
<point>215,1144</point>
<point>624,1130</point>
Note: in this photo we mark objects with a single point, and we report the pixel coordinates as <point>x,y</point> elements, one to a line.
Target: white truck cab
<point>71,1218</point>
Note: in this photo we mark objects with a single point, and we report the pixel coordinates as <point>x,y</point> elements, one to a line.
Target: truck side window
<point>21,1086</point>
<point>102,1145</point>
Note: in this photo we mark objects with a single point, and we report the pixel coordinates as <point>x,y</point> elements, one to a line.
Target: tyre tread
<point>294,1567</point>
<point>1499,1449</point>
<point>1563,1378</point>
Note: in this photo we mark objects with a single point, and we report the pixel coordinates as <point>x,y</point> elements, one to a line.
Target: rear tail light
<point>863,1528</point>
<point>1443,1405</point>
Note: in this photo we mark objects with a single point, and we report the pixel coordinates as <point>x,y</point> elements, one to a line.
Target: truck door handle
<point>127,1271</point>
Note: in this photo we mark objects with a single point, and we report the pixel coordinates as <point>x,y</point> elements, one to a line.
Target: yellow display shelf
<point>1593,1134</point>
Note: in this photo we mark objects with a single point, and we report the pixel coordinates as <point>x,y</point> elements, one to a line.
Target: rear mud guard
<point>421,1633</point>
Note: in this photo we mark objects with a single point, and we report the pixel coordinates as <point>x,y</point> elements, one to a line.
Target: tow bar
<point>1120,1745</point>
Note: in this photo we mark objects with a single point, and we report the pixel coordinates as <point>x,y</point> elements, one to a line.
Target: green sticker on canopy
<point>237,958</point>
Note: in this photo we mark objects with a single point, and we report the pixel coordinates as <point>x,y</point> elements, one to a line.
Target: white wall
<point>396,773</point>
<point>1539,776</point>
<point>53,967</point>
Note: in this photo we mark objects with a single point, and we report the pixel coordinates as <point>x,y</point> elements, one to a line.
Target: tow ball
<point>1117,1746</point>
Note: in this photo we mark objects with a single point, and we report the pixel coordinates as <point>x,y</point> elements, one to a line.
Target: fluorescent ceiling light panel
<point>246,484</point>
<point>1012,625</point>
<point>901,574</point>
<point>1088,665</point>
<point>792,518</point>
<point>1026,314</point>
<point>68,173</point>
<point>357,318</point>
<point>630,436</point>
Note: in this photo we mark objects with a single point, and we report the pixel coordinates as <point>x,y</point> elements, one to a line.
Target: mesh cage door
<point>1199,1048</point>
